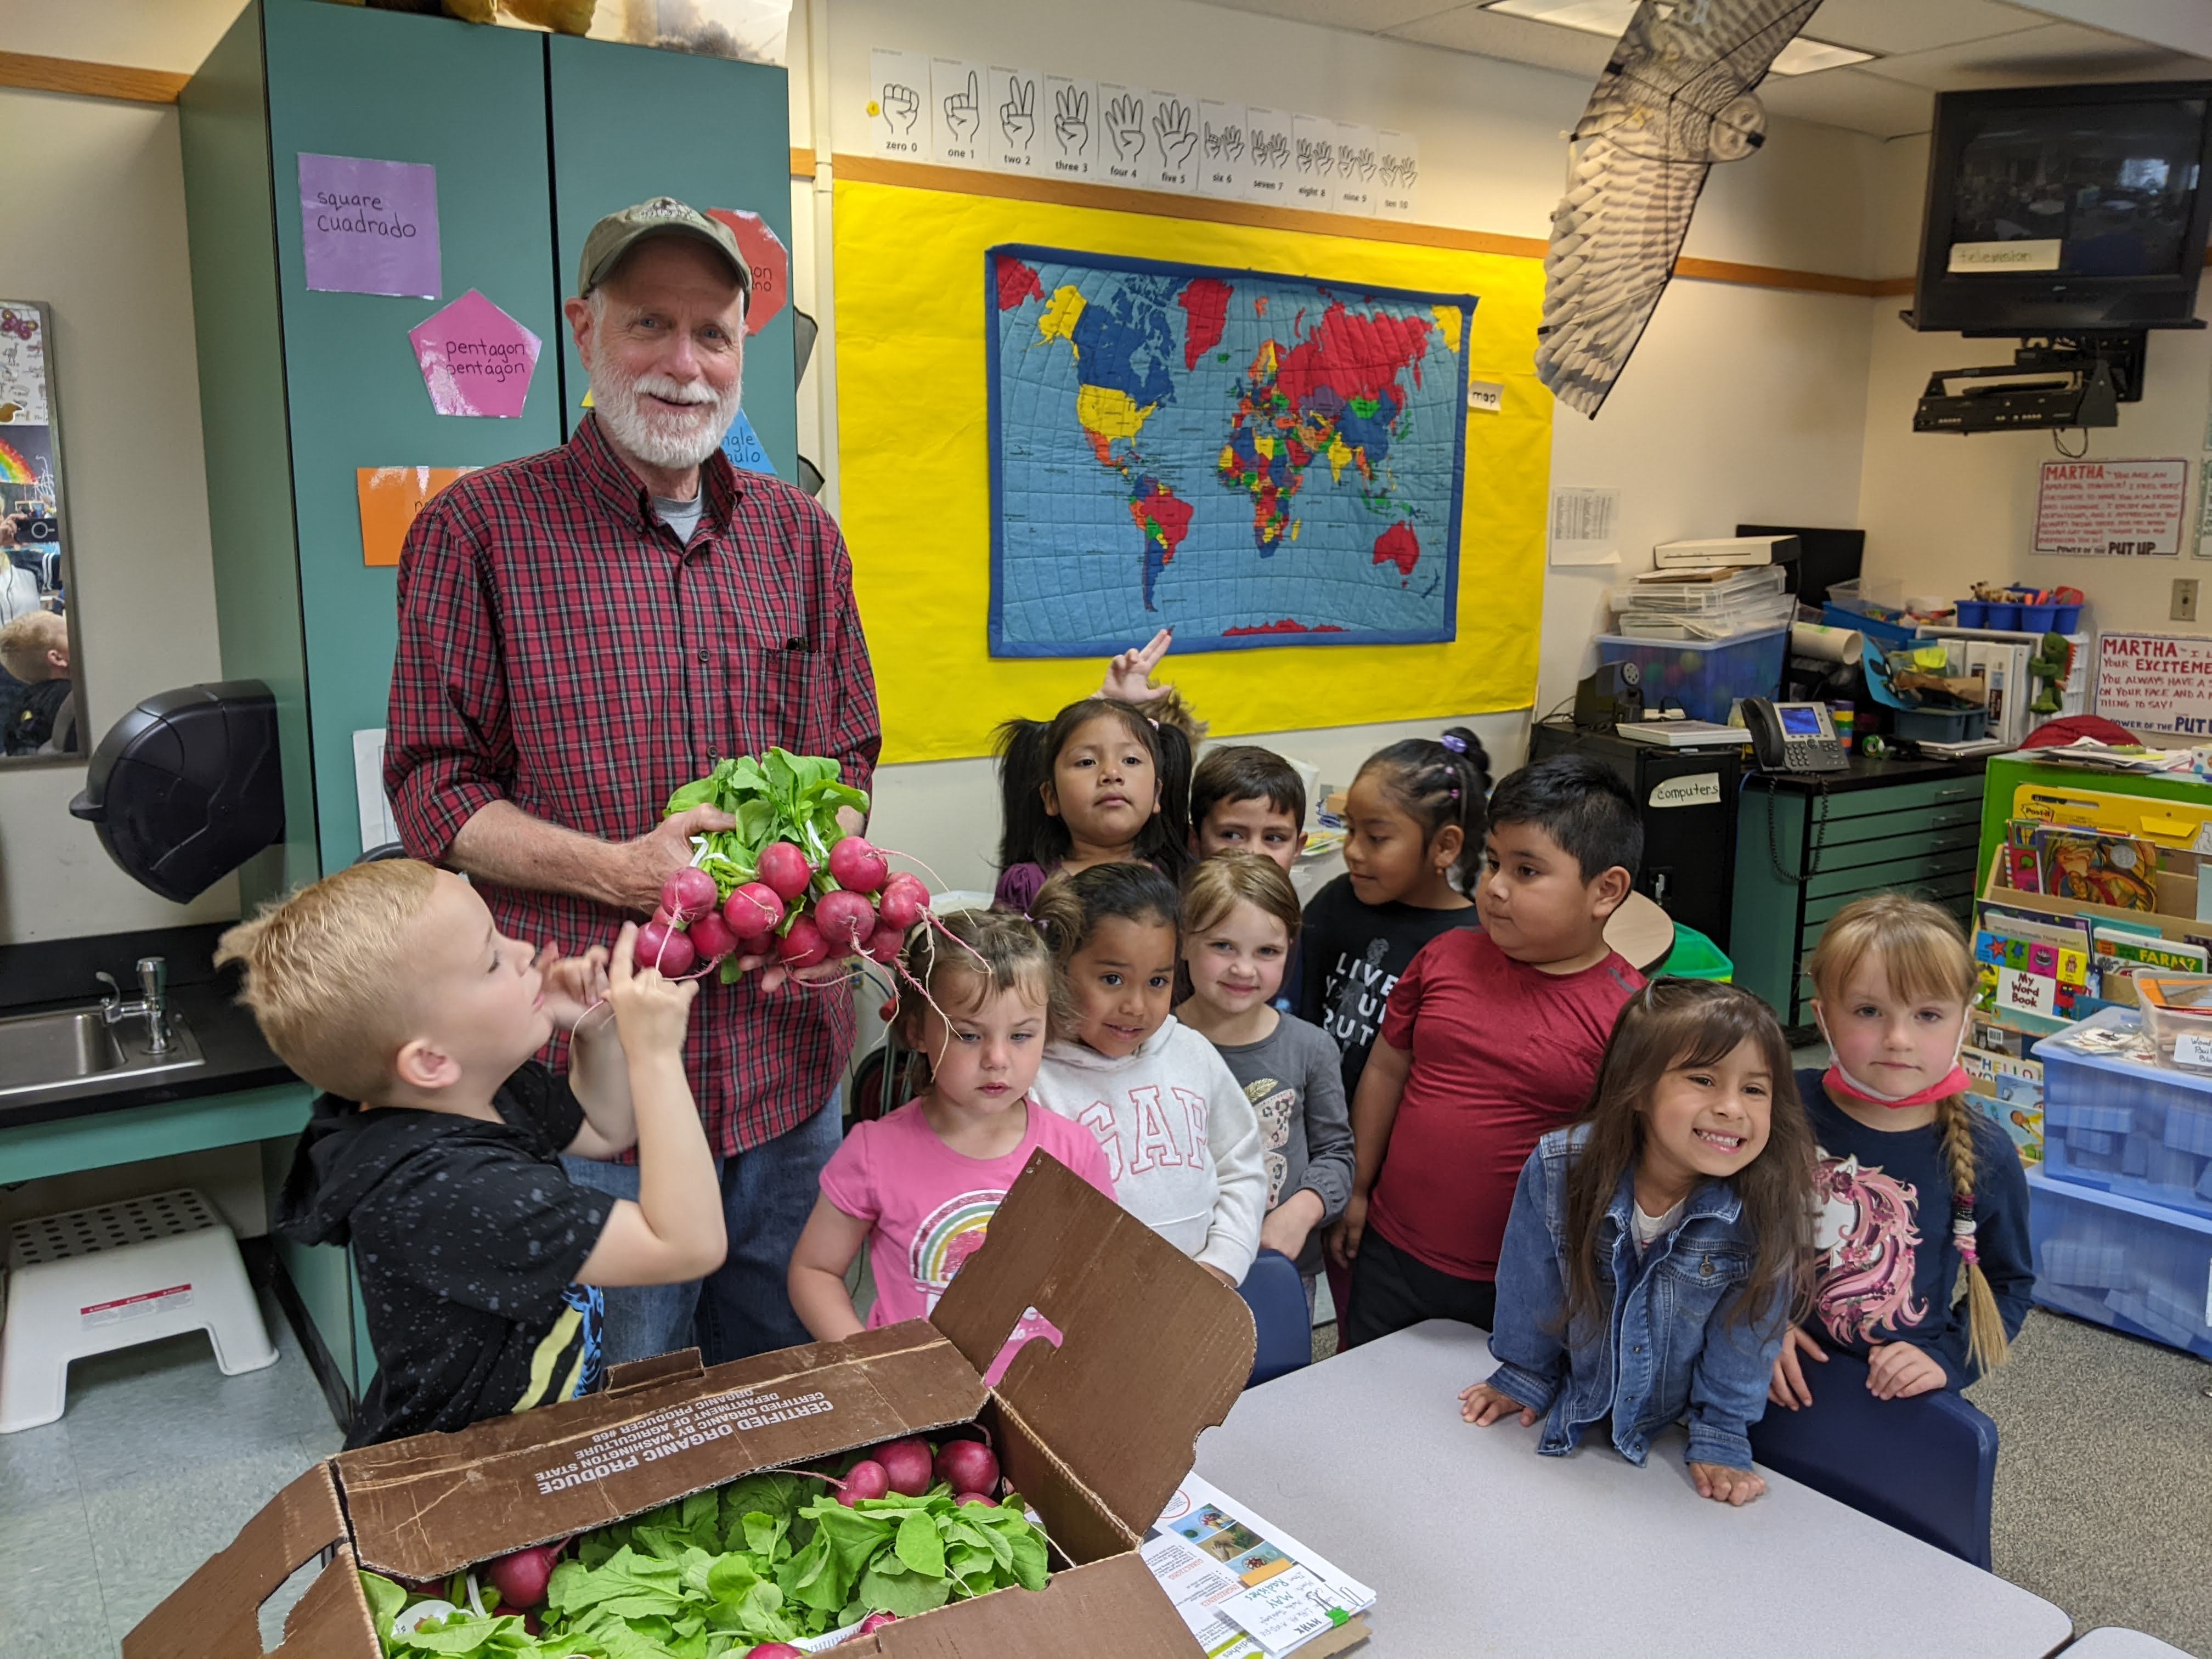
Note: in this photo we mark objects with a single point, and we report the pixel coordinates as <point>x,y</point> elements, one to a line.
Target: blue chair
<point>1277,1297</point>
<point>1927,1465</point>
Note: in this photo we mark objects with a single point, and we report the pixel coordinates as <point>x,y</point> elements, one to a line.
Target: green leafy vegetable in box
<point>770,1558</point>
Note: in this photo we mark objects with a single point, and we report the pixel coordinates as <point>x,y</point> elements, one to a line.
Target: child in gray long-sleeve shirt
<point>1240,921</point>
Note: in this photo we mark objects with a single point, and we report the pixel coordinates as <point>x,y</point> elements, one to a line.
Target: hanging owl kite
<point>1675,98</point>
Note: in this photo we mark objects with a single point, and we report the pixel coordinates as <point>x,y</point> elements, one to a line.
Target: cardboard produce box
<point>1095,1433</point>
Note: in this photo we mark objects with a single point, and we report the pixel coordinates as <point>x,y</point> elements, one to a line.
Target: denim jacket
<point>1669,1344</point>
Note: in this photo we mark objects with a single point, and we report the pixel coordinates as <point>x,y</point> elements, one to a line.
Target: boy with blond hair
<point>434,1148</point>
<point>34,649</point>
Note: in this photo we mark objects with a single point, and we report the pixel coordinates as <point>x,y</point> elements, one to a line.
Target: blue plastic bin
<point>1973,613</point>
<point>2003,616</point>
<point>2065,618</point>
<point>1880,629</point>
<point>2135,1267</point>
<point>2122,1127</point>
<point>2038,618</point>
<point>1704,677</point>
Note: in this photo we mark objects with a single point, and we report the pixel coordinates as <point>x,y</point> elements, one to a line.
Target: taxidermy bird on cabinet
<point>1675,98</point>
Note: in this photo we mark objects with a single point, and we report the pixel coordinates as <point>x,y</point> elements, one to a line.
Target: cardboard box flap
<point>218,1610</point>
<point>435,1503</point>
<point>1152,1349</point>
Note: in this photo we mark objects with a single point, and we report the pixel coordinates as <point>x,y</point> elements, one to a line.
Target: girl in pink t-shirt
<point>919,1187</point>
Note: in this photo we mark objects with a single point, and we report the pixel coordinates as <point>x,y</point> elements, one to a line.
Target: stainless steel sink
<point>70,1052</point>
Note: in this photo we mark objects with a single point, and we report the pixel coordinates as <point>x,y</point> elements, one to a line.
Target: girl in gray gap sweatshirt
<point>1180,1139</point>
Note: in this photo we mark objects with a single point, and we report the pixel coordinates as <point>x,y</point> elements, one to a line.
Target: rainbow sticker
<point>952,1233</point>
<point>14,469</point>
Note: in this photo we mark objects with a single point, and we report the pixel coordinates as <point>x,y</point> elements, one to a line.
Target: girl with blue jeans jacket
<point>1653,1259</point>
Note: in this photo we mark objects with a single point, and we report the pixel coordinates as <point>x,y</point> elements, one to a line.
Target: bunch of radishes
<point>799,915</point>
<point>909,1468</point>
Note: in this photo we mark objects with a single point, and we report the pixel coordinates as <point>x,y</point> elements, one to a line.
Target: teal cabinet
<point>1807,845</point>
<point>301,388</point>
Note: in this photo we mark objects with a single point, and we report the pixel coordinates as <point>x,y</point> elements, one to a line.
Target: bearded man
<point>585,630</point>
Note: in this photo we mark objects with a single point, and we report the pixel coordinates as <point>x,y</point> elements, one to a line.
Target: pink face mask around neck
<point>1836,1081</point>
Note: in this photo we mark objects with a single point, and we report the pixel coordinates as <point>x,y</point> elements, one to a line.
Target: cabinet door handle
<point>1953,794</point>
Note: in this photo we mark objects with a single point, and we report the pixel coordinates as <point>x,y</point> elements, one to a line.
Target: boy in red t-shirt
<point>1491,1037</point>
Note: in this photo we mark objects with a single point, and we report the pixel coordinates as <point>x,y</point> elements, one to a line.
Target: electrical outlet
<point>2184,599</point>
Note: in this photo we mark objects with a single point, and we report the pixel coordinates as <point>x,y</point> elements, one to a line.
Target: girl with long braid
<point>1916,1187</point>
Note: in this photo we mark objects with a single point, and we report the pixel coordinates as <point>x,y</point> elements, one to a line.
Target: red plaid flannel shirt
<point>558,649</point>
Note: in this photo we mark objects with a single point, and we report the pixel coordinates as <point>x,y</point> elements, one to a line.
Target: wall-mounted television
<point>2066,209</point>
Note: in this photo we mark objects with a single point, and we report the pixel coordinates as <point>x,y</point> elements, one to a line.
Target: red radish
<point>846,919</point>
<point>907,1464</point>
<point>803,946</point>
<point>876,1621</point>
<point>775,1650</point>
<point>977,1497</point>
<point>883,945</point>
<point>905,899</point>
<point>866,1479</point>
<point>755,910</point>
<point>785,868</point>
<point>520,1579</point>
<point>688,893</point>
<point>711,937</point>
<point>968,1466</point>
<point>856,866</point>
<point>664,948</point>
<point>661,914</point>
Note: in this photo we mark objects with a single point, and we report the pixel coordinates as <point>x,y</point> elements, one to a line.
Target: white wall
<point>1943,511</point>
<point>1742,404</point>
<point>92,200</point>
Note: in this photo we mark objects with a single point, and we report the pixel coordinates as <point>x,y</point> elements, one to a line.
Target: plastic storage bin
<point>1704,676</point>
<point>2177,1011</point>
<point>1973,613</point>
<point>2123,1126</point>
<point>2117,1262</point>
<point>1696,956</point>
<point>1940,724</point>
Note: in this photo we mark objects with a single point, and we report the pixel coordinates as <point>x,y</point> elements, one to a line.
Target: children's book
<point>2120,871</point>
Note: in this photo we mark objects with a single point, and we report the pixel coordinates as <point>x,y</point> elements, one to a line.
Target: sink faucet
<point>153,1001</point>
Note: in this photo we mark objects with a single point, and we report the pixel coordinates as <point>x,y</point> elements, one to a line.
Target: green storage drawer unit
<point>1807,844</point>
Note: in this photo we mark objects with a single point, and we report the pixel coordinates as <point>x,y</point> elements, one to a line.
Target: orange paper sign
<point>391,497</point>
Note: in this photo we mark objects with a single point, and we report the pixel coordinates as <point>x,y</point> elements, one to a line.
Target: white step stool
<point>114,1276</point>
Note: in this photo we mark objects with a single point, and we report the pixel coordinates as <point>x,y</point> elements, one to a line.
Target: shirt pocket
<point>769,693</point>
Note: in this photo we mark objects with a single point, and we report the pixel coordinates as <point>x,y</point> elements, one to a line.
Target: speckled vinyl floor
<point>2104,1500</point>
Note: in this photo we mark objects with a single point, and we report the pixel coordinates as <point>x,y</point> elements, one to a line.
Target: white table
<point>1477,1546</point>
<point>2110,1642</point>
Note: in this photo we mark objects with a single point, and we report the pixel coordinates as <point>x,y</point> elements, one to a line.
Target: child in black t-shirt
<point>435,1150</point>
<point>1415,818</point>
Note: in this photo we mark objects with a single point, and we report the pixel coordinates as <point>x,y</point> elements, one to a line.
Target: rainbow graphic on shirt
<point>948,1236</point>
<point>14,469</point>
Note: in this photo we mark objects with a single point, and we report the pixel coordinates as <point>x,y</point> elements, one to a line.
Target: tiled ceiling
<point>1922,47</point>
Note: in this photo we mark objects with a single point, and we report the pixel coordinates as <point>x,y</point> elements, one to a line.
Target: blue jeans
<point>743,1308</point>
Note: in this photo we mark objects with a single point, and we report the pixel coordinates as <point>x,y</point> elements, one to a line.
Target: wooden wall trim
<point>802,164</point>
<point>135,86</point>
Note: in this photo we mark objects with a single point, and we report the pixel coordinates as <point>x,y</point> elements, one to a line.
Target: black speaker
<point>37,529</point>
<point>1610,697</point>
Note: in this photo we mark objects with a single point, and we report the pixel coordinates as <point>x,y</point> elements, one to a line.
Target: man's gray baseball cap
<point>664,216</point>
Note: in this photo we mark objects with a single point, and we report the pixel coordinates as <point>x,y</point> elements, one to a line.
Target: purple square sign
<point>369,227</point>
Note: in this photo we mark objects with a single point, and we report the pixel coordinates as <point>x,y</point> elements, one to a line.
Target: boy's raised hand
<point>650,1010</point>
<point>1482,1405</point>
<point>1129,675</point>
<point>572,986</point>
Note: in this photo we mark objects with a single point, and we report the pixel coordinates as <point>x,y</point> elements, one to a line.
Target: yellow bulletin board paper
<point>915,485</point>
